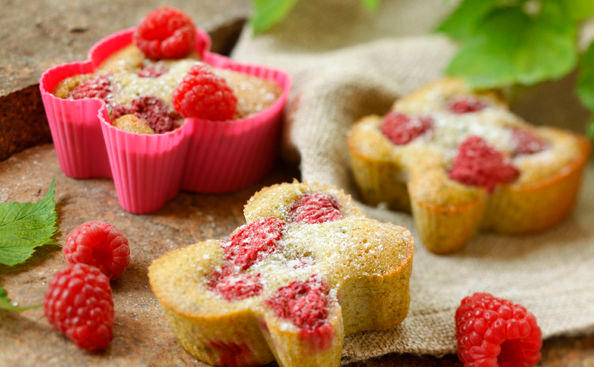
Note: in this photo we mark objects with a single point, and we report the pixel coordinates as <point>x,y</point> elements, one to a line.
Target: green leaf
<point>585,87</point>
<point>25,226</point>
<point>462,22</point>
<point>510,46</point>
<point>6,303</point>
<point>581,9</point>
<point>371,5</point>
<point>270,12</point>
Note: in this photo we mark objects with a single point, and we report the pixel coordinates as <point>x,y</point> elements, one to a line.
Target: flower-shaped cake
<point>307,269</point>
<point>462,161</point>
<point>113,116</point>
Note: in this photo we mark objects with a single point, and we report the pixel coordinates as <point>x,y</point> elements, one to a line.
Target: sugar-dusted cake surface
<point>132,76</point>
<point>531,186</point>
<point>320,271</point>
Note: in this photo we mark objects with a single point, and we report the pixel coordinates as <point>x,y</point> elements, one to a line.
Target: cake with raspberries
<point>149,87</point>
<point>461,161</point>
<point>305,271</point>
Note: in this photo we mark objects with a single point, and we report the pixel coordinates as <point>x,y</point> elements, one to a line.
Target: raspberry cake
<point>461,161</point>
<point>139,91</point>
<point>307,269</point>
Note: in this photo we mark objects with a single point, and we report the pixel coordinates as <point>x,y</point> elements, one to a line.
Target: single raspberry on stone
<point>97,87</point>
<point>494,332</point>
<point>478,163</point>
<point>152,109</point>
<point>204,95</point>
<point>149,71</point>
<point>254,241</point>
<point>98,244</point>
<point>525,142</point>
<point>235,286</point>
<point>304,303</point>
<point>466,105</point>
<point>165,33</point>
<point>402,129</point>
<point>79,304</point>
<point>316,208</point>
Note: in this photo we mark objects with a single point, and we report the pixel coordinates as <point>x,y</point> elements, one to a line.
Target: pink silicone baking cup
<point>148,170</point>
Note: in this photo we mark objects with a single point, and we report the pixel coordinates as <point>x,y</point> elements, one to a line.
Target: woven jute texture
<point>346,64</point>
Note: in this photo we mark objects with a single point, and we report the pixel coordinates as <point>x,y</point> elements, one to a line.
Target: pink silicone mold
<point>148,170</point>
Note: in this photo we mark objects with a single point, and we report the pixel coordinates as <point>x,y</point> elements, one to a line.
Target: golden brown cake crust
<point>366,265</point>
<point>447,213</point>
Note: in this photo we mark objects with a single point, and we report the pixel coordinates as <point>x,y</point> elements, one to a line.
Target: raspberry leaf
<point>270,12</point>
<point>513,46</point>
<point>6,303</point>
<point>462,22</point>
<point>371,5</point>
<point>585,87</point>
<point>581,9</point>
<point>25,226</point>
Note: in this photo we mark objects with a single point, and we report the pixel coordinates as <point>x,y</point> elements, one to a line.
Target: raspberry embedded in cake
<point>232,354</point>
<point>526,142</point>
<point>402,129</point>
<point>480,164</point>
<point>97,87</point>
<point>463,105</point>
<point>254,241</point>
<point>316,208</point>
<point>304,303</point>
<point>235,286</point>
<point>152,71</point>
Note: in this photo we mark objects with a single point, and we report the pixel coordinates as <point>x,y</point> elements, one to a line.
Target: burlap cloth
<point>346,64</point>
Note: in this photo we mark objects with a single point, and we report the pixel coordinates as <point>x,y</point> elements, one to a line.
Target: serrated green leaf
<point>6,303</point>
<point>371,5</point>
<point>510,46</point>
<point>585,87</point>
<point>581,9</point>
<point>25,226</point>
<point>269,12</point>
<point>462,22</point>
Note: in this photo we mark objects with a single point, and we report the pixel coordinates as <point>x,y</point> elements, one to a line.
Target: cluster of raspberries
<point>78,301</point>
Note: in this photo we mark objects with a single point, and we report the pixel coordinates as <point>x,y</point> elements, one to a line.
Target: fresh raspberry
<point>165,33</point>
<point>98,244</point>
<point>402,129</point>
<point>254,241</point>
<point>466,105</point>
<point>235,286</point>
<point>204,95</point>
<point>97,87</point>
<point>525,142</point>
<point>152,109</point>
<point>149,71</point>
<point>78,303</point>
<point>478,163</point>
<point>316,208</point>
<point>494,332</point>
<point>304,303</point>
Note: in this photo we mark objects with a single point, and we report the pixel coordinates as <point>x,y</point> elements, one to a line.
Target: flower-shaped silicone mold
<point>462,161</point>
<point>148,170</point>
<point>306,270</point>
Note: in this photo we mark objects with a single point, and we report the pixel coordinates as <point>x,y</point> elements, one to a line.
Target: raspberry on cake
<point>161,80</point>
<point>461,161</point>
<point>307,269</point>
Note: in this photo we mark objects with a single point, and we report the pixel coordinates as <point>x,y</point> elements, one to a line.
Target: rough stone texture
<point>36,35</point>
<point>142,337</point>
